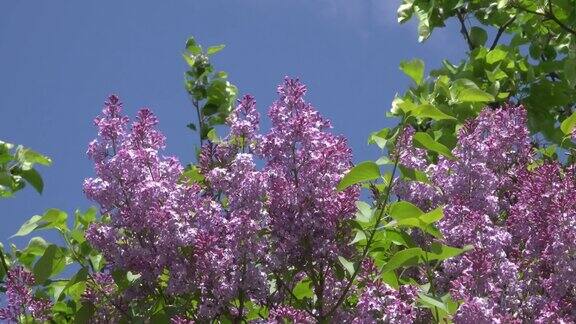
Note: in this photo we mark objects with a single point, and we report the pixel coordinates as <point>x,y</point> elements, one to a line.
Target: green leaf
<point>391,279</point>
<point>429,111</point>
<point>405,11</point>
<point>303,289</point>
<point>362,172</point>
<point>31,157</point>
<point>496,55</point>
<point>215,49</point>
<point>464,90</point>
<point>349,266</point>
<point>474,95</point>
<point>80,276</point>
<point>190,59</point>
<point>433,216</point>
<point>28,226</point>
<point>404,209</point>
<point>192,175</point>
<point>431,302</point>
<point>360,236</point>
<point>379,138</point>
<point>442,252</point>
<point>36,246</point>
<point>403,258</point>
<point>424,140</point>
<point>414,69</point>
<point>33,177</point>
<point>364,212</point>
<point>568,124</point>
<point>399,237</point>
<point>478,36</point>
<point>502,3</point>
<point>44,266</point>
<point>192,46</point>
<point>85,313</point>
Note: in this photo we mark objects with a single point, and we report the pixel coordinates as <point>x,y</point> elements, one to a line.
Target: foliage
<point>531,60</point>
<point>17,169</point>
<point>212,95</point>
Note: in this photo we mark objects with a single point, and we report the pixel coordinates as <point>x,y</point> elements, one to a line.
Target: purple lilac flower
<point>304,164</point>
<point>490,152</point>
<point>20,298</point>
<point>154,216</point>
<point>102,293</point>
<point>380,303</point>
<point>543,221</point>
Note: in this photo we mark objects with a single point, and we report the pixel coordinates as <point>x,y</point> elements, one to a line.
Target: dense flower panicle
<point>497,138</point>
<point>380,303</point>
<point>543,222</point>
<point>20,298</point>
<point>304,164</point>
<point>153,214</point>
<point>281,314</point>
<point>521,223</point>
<point>409,155</point>
<point>245,119</point>
<point>489,150</point>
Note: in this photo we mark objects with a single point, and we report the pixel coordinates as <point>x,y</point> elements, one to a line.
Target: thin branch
<point>4,265</point>
<point>560,23</point>
<point>548,15</point>
<point>382,205</point>
<point>501,31</point>
<point>463,29</point>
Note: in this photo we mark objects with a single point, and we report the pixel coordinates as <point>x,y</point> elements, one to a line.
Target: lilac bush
<point>263,230</point>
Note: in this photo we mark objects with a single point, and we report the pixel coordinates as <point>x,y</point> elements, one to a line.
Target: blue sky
<point>60,59</point>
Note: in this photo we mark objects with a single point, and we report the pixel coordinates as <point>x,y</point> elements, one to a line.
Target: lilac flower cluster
<point>20,298</point>
<point>521,223</point>
<point>304,163</point>
<point>543,225</point>
<point>102,292</point>
<point>154,216</point>
<point>380,303</point>
<point>223,240</point>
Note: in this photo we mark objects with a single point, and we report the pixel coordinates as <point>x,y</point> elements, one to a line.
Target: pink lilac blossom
<point>20,298</point>
<point>380,303</point>
<point>281,314</point>
<point>543,222</point>
<point>101,291</point>
<point>154,216</point>
<point>304,164</point>
<point>490,156</point>
<point>244,187</point>
<point>489,150</point>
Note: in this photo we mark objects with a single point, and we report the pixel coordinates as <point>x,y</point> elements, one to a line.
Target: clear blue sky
<point>60,59</point>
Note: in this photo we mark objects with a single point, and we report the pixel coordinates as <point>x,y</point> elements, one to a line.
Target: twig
<point>463,29</point>
<point>560,23</point>
<point>4,264</point>
<point>548,15</point>
<point>382,204</point>
<point>501,31</point>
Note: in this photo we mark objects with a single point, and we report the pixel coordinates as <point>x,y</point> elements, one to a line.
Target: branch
<point>548,15</point>
<point>501,31</point>
<point>464,30</point>
<point>552,16</point>
<point>382,204</point>
<point>3,262</point>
